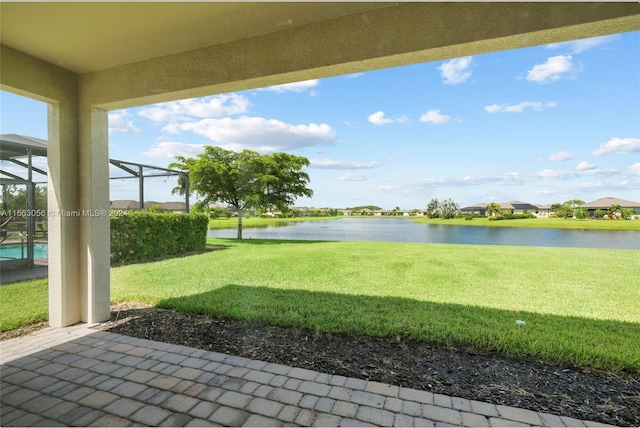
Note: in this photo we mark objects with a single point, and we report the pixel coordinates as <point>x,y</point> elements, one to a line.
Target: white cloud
<point>583,45</point>
<point>433,181</point>
<point>206,107</point>
<point>350,176</point>
<point>589,170</point>
<point>624,185</point>
<point>294,87</point>
<point>340,164</point>
<point>171,128</point>
<point>635,169</point>
<point>157,114</point>
<point>554,173</point>
<point>559,156</point>
<point>260,134</point>
<point>120,124</point>
<point>434,116</point>
<point>353,75</point>
<point>584,166</point>
<point>552,70</point>
<point>171,149</point>
<point>378,118</point>
<point>513,178</point>
<point>590,187</point>
<point>456,71</point>
<point>519,108</point>
<point>598,171</point>
<point>618,145</point>
<point>474,179</point>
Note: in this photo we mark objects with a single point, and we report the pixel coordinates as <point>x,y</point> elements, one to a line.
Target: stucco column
<point>94,254</point>
<point>77,187</point>
<point>63,219</point>
<point>78,204</point>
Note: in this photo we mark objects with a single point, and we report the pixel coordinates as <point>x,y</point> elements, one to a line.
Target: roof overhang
<point>13,146</point>
<point>89,36</point>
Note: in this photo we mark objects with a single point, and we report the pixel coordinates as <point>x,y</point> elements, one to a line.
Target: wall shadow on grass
<point>603,344</point>
<point>208,248</point>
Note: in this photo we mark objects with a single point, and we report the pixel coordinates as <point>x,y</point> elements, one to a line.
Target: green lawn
<point>23,303</point>
<point>546,223</point>
<point>580,306</point>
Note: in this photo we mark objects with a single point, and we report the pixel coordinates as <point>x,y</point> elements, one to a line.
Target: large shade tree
<point>245,179</point>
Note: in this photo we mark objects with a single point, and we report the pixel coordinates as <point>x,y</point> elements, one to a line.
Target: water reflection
<point>404,230</point>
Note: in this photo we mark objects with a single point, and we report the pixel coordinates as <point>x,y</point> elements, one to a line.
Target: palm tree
<point>573,203</point>
<point>562,210</point>
<point>493,209</point>
<point>616,210</point>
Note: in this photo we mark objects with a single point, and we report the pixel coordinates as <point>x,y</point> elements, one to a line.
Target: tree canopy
<point>446,209</point>
<point>245,179</point>
<point>364,207</point>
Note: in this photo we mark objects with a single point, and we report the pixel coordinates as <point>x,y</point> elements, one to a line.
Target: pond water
<point>404,230</point>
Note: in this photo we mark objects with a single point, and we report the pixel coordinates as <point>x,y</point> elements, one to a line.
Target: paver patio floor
<point>78,376</point>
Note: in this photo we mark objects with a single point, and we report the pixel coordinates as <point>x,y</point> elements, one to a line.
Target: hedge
<point>141,235</point>
<point>509,216</point>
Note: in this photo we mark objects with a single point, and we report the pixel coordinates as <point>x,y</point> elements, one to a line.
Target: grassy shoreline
<point>442,293</point>
<point>545,223</point>
<point>232,223</point>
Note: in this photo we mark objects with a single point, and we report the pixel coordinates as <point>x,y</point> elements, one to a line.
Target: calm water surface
<point>404,230</point>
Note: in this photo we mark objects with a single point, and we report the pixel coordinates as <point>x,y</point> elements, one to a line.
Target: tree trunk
<point>240,215</point>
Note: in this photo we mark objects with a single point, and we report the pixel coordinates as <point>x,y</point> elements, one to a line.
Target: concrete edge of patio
<point>79,376</point>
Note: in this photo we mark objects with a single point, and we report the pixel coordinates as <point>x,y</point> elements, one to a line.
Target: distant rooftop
<point>608,201</point>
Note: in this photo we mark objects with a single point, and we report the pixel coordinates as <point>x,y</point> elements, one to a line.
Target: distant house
<point>476,209</point>
<point>514,207</point>
<point>128,204</point>
<point>518,207</point>
<point>543,210</point>
<point>608,202</point>
<point>176,207</point>
<point>125,205</point>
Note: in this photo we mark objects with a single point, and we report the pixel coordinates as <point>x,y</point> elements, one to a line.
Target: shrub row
<point>509,216</point>
<point>142,235</point>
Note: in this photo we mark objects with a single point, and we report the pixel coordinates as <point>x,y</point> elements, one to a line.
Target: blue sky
<point>544,124</point>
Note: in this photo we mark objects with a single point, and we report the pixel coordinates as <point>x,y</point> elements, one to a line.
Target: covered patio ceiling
<point>125,43</point>
<point>148,29</point>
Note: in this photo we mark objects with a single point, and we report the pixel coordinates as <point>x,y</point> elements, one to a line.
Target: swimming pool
<point>14,251</point>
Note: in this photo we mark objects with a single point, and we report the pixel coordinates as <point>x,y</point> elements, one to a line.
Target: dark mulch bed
<point>612,398</point>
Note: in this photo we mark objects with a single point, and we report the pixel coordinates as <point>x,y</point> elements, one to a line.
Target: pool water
<point>14,251</point>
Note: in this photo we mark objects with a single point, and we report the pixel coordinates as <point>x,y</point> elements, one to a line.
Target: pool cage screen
<point>23,222</point>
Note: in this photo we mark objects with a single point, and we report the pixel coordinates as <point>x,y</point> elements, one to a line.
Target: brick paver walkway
<point>78,376</point>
